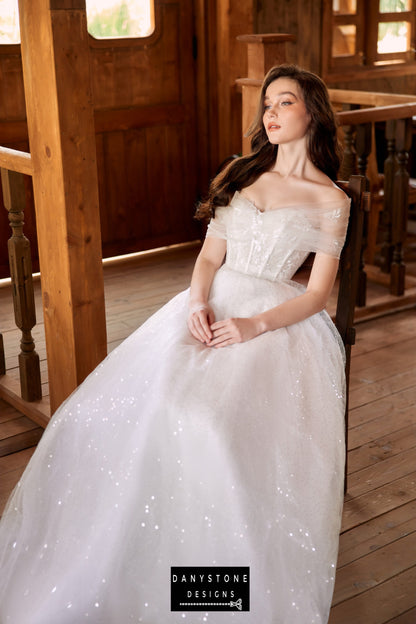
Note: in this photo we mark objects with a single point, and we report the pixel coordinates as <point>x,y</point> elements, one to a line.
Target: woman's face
<point>285,116</point>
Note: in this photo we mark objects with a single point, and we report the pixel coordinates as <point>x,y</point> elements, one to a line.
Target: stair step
<point>17,432</point>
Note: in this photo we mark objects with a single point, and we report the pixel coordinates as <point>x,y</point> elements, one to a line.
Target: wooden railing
<point>359,144</point>
<point>13,165</point>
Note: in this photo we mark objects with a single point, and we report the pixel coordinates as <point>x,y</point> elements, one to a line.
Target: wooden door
<point>146,136</point>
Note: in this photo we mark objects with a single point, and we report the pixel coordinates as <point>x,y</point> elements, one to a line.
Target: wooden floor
<point>376,575</point>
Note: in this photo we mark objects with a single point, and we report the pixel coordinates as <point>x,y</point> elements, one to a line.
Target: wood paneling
<point>221,60</point>
<point>145,119</point>
<point>302,18</point>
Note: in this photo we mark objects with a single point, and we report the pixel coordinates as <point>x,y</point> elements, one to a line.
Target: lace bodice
<point>273,244</point>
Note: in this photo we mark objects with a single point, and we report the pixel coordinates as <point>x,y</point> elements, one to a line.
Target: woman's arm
<point>313,300</point>
<point>201,316</point>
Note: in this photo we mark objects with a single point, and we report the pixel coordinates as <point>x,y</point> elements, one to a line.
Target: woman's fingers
<point>231,331</point>
<point>224,333</point>
<point>199,324</point>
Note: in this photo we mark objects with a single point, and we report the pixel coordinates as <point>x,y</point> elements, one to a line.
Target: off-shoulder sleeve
<point>323,227</point>
<point>218,226</point>
<point>333,228</point>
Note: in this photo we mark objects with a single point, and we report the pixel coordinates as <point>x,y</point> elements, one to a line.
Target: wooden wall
<point>302,18</point>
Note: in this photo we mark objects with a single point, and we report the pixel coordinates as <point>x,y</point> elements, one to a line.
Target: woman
<point>213,436</point>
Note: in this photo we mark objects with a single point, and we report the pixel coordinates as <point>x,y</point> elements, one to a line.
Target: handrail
<point>368,98</point>
<point>14,160</point>
<point>379,113</point>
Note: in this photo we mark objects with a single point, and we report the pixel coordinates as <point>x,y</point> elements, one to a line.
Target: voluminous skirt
<point>175,454</point>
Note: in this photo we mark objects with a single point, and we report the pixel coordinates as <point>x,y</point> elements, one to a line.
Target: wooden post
<point>14,197</point>
<point>349,156</point>
<point>363,149</point>
<point>56,71</point>
<point>263,52</point>
<point>401,204</point>
<point>390,168</point>
<point>363,140</point>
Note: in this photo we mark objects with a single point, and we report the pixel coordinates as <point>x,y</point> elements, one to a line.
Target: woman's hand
<point>230,331</point>
<point>200,317</point>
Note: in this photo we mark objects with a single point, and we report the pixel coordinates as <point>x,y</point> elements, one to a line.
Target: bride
<point>213,437</point>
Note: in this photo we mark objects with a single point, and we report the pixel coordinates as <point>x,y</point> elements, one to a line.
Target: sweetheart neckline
<point>238,194</point>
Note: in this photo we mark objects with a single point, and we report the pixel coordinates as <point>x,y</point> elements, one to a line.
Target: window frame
<point>126,41</point>
<point>110,42</point>
<point>366,61</point>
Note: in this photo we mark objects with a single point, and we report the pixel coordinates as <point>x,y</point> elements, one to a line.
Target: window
<point>110,19</point>
<point>9,22</point>
<point>106,19</point>
<point>369,34</point>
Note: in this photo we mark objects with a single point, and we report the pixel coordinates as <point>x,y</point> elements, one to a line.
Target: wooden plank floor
<point>376,575</point>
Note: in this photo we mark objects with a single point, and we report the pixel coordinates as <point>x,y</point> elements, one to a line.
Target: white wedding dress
<point>175,454</point>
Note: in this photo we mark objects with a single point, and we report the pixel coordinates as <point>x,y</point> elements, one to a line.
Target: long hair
<point>322,142</point>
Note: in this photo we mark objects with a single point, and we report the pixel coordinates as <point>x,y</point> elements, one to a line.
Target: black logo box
<point>210,588</point>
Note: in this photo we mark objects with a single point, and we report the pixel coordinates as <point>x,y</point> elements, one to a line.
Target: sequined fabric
<point>175,454</point>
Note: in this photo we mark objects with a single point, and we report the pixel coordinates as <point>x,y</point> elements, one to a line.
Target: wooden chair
<point>349,276</point>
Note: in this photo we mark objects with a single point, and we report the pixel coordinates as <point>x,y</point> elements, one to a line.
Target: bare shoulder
<point>334,193</point>
<point>324,189</point>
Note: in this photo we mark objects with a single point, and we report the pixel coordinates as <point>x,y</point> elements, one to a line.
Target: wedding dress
<point>175,454</point>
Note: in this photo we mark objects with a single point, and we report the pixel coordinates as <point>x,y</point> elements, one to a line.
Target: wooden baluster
<point>21,275</point>
<point>363,148</point>
<point>349,158</point>
<point>400,207</point>
<point>390,168</point>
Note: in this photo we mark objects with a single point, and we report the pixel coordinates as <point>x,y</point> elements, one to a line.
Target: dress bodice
<point>273,244</point>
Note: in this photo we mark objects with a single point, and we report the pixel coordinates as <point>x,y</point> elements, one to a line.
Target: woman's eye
<point>286,103</point>
<point>267,107</point>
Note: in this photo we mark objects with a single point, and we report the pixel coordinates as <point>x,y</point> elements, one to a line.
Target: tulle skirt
<point>172,453</point>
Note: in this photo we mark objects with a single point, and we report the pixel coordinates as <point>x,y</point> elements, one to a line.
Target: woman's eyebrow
<point>282,93</point>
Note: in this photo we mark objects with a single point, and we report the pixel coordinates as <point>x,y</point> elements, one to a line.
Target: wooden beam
<point>56,72</point>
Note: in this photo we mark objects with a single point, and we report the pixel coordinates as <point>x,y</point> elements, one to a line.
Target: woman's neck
<point>292,160</point>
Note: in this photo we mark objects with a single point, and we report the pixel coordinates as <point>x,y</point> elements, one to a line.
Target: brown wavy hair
<point>322,142</point>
